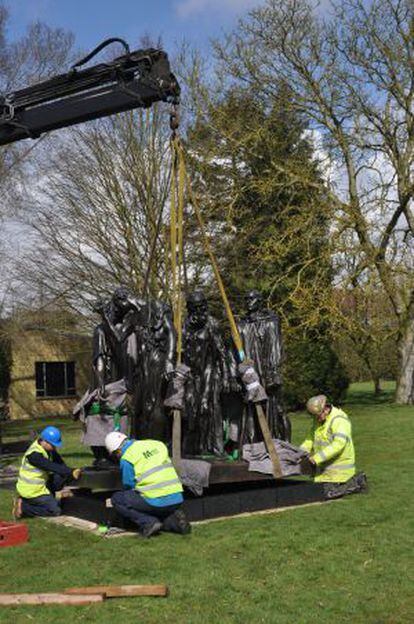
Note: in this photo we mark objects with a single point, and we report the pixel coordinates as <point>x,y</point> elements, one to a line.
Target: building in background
<point>44,370</point>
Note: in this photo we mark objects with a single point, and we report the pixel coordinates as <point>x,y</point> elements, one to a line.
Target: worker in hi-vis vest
<point>42,473</point>
<point>153,494</point>
<point>330,443</point>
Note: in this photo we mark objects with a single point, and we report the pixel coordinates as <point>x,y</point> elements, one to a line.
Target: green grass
<point>347,561</point>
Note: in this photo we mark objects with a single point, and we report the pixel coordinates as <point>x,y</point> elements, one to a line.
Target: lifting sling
<point>177,251</point>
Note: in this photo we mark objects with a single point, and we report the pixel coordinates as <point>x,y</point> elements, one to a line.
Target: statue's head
<point>158,310</point>
<point>253,300</point>
<point>121,300</point>
<point>197,307</point>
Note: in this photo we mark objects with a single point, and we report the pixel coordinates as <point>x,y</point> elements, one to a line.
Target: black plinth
<point>217,501</point>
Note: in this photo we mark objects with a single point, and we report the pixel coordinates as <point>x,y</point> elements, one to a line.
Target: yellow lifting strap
<point>277,472</point>
<point>177,239</point>
<point>177,262</point>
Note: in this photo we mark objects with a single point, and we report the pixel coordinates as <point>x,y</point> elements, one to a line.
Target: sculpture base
<point>228,499</point>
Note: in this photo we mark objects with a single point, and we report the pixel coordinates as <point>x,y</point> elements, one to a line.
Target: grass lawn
<point>347,561</point>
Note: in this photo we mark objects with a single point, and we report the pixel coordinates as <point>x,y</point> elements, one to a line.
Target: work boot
<point>362,481</point>
<point>177,523</point>
<point>151,529</point>
<point>17,511</point>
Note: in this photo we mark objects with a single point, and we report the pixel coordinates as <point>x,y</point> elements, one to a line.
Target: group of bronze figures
<point>136,341</point>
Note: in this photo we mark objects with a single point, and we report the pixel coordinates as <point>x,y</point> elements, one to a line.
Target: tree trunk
<point>377,386</point>
<point>405,381</point>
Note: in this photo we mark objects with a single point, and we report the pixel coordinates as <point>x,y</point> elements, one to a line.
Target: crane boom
<point>134,80</point>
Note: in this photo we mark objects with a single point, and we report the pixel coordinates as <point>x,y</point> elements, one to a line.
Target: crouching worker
<point>42,473</point>
<point>331,450</point>
<point>153,494</point>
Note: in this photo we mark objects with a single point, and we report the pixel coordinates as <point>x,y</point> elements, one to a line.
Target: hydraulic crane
<point>136,79</point>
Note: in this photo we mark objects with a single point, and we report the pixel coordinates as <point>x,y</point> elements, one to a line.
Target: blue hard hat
<point>52,435</point>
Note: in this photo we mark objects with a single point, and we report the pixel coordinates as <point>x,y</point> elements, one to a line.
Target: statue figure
<point>102,409</point>
<point>205,354</point>
<point>114,340</point>
<point>156,342</point>
<point>262,340</point>
<point>121,317</point>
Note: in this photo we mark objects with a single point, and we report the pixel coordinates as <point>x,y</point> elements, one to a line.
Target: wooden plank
<point>116,591</point>
<point>50,598</point>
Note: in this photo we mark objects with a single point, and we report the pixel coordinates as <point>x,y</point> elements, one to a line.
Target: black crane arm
<point>134,80</point>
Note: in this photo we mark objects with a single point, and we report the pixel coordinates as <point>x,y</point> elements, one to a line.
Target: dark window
<point>55,379</point>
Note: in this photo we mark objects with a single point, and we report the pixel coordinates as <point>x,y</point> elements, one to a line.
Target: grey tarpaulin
<point>289,456</point>
<point>254,389</point>
<point>176,388</point>
<point>97,426</point>
<point>194,474</point>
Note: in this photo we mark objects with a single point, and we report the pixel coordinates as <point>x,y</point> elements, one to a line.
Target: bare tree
<point>40,53</point>
<point>352,75</point>
<point>98,208</point>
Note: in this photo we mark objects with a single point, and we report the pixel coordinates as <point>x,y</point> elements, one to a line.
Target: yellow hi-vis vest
<point>331,446</point>
<point>32,481</point>
<point>154,473</point>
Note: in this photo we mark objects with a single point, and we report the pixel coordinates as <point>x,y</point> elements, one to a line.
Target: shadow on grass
<point>363,394</point>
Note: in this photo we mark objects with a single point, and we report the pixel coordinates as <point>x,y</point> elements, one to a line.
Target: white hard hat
<point>114,441</point>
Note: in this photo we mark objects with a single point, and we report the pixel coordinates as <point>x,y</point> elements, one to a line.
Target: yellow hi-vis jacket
<point>155,475</point>
<point>331,447</point>
<point>32,481</point>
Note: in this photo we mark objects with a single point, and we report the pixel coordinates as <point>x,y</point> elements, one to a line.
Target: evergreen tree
<point>256,170</point>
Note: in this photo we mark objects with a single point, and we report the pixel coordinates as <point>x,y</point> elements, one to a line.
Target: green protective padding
<point>117,421</point>
<point>95,408</point>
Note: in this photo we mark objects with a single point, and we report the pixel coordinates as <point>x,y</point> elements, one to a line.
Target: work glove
<point>76,473</point>
<point>307,466</point>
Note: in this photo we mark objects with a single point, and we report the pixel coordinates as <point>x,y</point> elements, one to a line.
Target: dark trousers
<point>130,504</point>
<point>45,505</point>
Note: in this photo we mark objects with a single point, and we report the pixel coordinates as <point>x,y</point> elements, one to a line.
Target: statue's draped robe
<point>156,346</point>
<point>262,341</point>
<point>204,352</point>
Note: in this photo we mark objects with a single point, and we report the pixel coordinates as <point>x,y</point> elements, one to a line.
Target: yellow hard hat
<point>316,404</point>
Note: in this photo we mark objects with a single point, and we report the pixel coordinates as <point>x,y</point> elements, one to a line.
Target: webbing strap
<point>207,245</point>
<point>177,237</point>
<point>277,471</point>
<point>177,262</point>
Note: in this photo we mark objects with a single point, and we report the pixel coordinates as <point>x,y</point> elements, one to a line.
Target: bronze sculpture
<point>262,339</point>
<point>205,354</point>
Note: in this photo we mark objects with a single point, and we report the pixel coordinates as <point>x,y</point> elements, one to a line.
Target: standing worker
<point>331,450</point>
<point>42,473</point>
<point>153,494</point>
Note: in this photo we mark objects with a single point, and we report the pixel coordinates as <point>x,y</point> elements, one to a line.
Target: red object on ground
<point>13,533</point>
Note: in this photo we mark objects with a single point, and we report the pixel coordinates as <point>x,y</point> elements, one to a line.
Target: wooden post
<point>176,441</point>
<point>270,447</point>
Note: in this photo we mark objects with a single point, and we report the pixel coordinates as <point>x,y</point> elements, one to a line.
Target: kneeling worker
<point>42,473</point>
<point>153,492</point>
<point>331,449</point>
